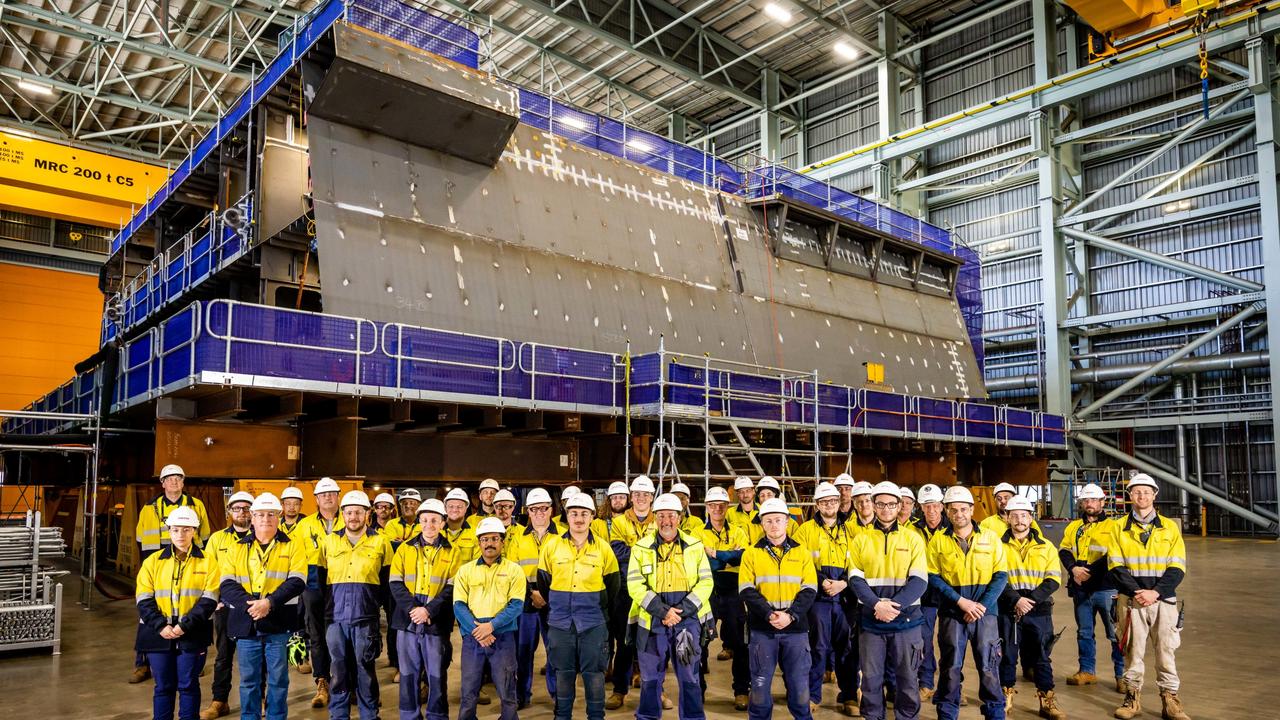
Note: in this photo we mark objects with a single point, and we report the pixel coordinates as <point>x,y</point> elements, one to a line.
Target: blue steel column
<point>1261,52</point>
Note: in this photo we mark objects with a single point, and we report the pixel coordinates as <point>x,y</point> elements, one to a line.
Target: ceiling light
<point>844,50</point>
<point>1177,206</point>
<point>36,88</point>
<point>777,12</point>
<point>574,122</point>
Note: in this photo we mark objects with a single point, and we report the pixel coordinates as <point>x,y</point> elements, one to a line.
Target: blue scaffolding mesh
<point>416,27</point>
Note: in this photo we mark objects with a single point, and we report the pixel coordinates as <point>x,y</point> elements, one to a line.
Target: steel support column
<point>770,123</point>
<point>1177,482</point>
<point>1261,51</point>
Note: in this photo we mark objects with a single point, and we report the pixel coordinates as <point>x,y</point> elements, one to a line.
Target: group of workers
<point>855,596</point>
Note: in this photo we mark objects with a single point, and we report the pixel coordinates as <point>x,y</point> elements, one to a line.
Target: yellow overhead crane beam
<point>67,183</point>
<point>1120,25</point>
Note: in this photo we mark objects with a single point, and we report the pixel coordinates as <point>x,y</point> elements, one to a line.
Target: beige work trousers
<point>1157,624</point>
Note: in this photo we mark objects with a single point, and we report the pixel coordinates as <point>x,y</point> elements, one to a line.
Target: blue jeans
<point>500,657</point>
<point>659,649</point>
<point>1087,605</point>
<point>984,637</point>
<point>899,652</point>
<point>532,626</point>
<point>768,651</point>
<point>251,652</point>
<point>352,664</point>
<point>420,655</point>
<point>176,672</point>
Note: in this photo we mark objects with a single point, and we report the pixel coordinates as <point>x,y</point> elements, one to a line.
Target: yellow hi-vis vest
<point>648,586</point>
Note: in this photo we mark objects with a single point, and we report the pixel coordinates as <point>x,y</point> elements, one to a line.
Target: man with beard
<point>743,512</point>
<point>218,545</point>
<point>488,490</point>
<point>1083,553</point>
<point>1026,607</point>
<point>827,540</point>
<point>725,543</point>
<point>524,546</point>
<point>313,529</point>
<point>488,597</point>
<point>931,521</point>
<point>628,528</point>
<point>405,525</point>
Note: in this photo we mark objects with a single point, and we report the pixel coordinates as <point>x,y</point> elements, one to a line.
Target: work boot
<point>740,702</point>
<point>305,668</point>
<point>216,709</point>
<point>1172,706</point>
<point>482,698</point>
<point>140,674</point>
<point>635,680</point>
<point>1008,699</point>
<point>424,692</point>
<point>1131,706</point>
<point>1085,678</point>
<point>814,708</point>
<point>828,677</point>
<point>1121,685</point>
<point>1049,706</point>
<point>322,694</point>
<point>615,701</point>
<point>395,677</point>
<point>850,708</point>
<point>666,703</point>
<point>926,694</point>
<point>725,654</point>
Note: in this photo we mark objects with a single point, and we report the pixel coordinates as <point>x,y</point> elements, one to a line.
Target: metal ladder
<point>726,441</point>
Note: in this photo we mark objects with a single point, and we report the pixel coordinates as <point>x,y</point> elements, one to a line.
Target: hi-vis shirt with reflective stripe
<point>523,546</point>
<point>735,515</point>
<point>398,530</point>
<point>222,541</point>
<point>355,574</point>
<point>151,531</point>
<point>997,525</point>
<point>292,530</point>
<point>662,575</point>
<point>464,542</point>
<point>1031,561</point>
<point>886,561</point>
<point>313,529</point>
<point>730,540</point>
<point>1157,564</point>
<point>628,529</point>
<point>577,582</point>
<point>755,531</point>
<point>425,570</point>
<point>778,573</point>
<point>968,574</point>
<point>175,586</point>
<point>829,547</point>
<point>261,572</point>
<point>1087,542</point>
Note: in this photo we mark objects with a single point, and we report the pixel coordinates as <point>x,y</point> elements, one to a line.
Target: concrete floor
<point>1231,647</point>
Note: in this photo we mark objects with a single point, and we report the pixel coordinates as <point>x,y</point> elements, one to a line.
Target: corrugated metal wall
<point>997,215</point>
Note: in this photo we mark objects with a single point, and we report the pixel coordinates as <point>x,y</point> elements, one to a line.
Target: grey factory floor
<point>1228,660</point>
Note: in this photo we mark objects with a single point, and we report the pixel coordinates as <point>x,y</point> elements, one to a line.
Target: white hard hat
<point>617,487</point>
<point>168,470</point>
<point>384,498</point>
<point>929,493</point>
<point>326,484</point>
<point>410,494</point>
<point>825,490</point>
<point>458,494</point>
<point>862,487</point>
<point>681,488</point>
<point>182,516</point>
<point>490,525</point>
<point>489,484</point>
<point>770,483</point>
<point>266,501</point>
<point>355,497</point>
<point>581,500</point>
<point>291,493</point>
<point>1090,492</point>
<point>642,483</point>
<point>844,479</point>
<point>569,492</point>
<point>717,494</point>
<point>742,482</point>
<point>504,496</point>
<point>667,501</point>
<point>958,493</point>
<point>774,505</point>
<point>906,492</point>
<point>884,487</point>
<point>1141,479</point>
<point>537,496</point>
<point>240,496</point>
<point>1004,487</point>
<point>432,506</point>
<point>1019,503</point>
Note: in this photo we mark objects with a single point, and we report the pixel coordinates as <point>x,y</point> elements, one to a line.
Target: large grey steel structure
<point>1130,243</point>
